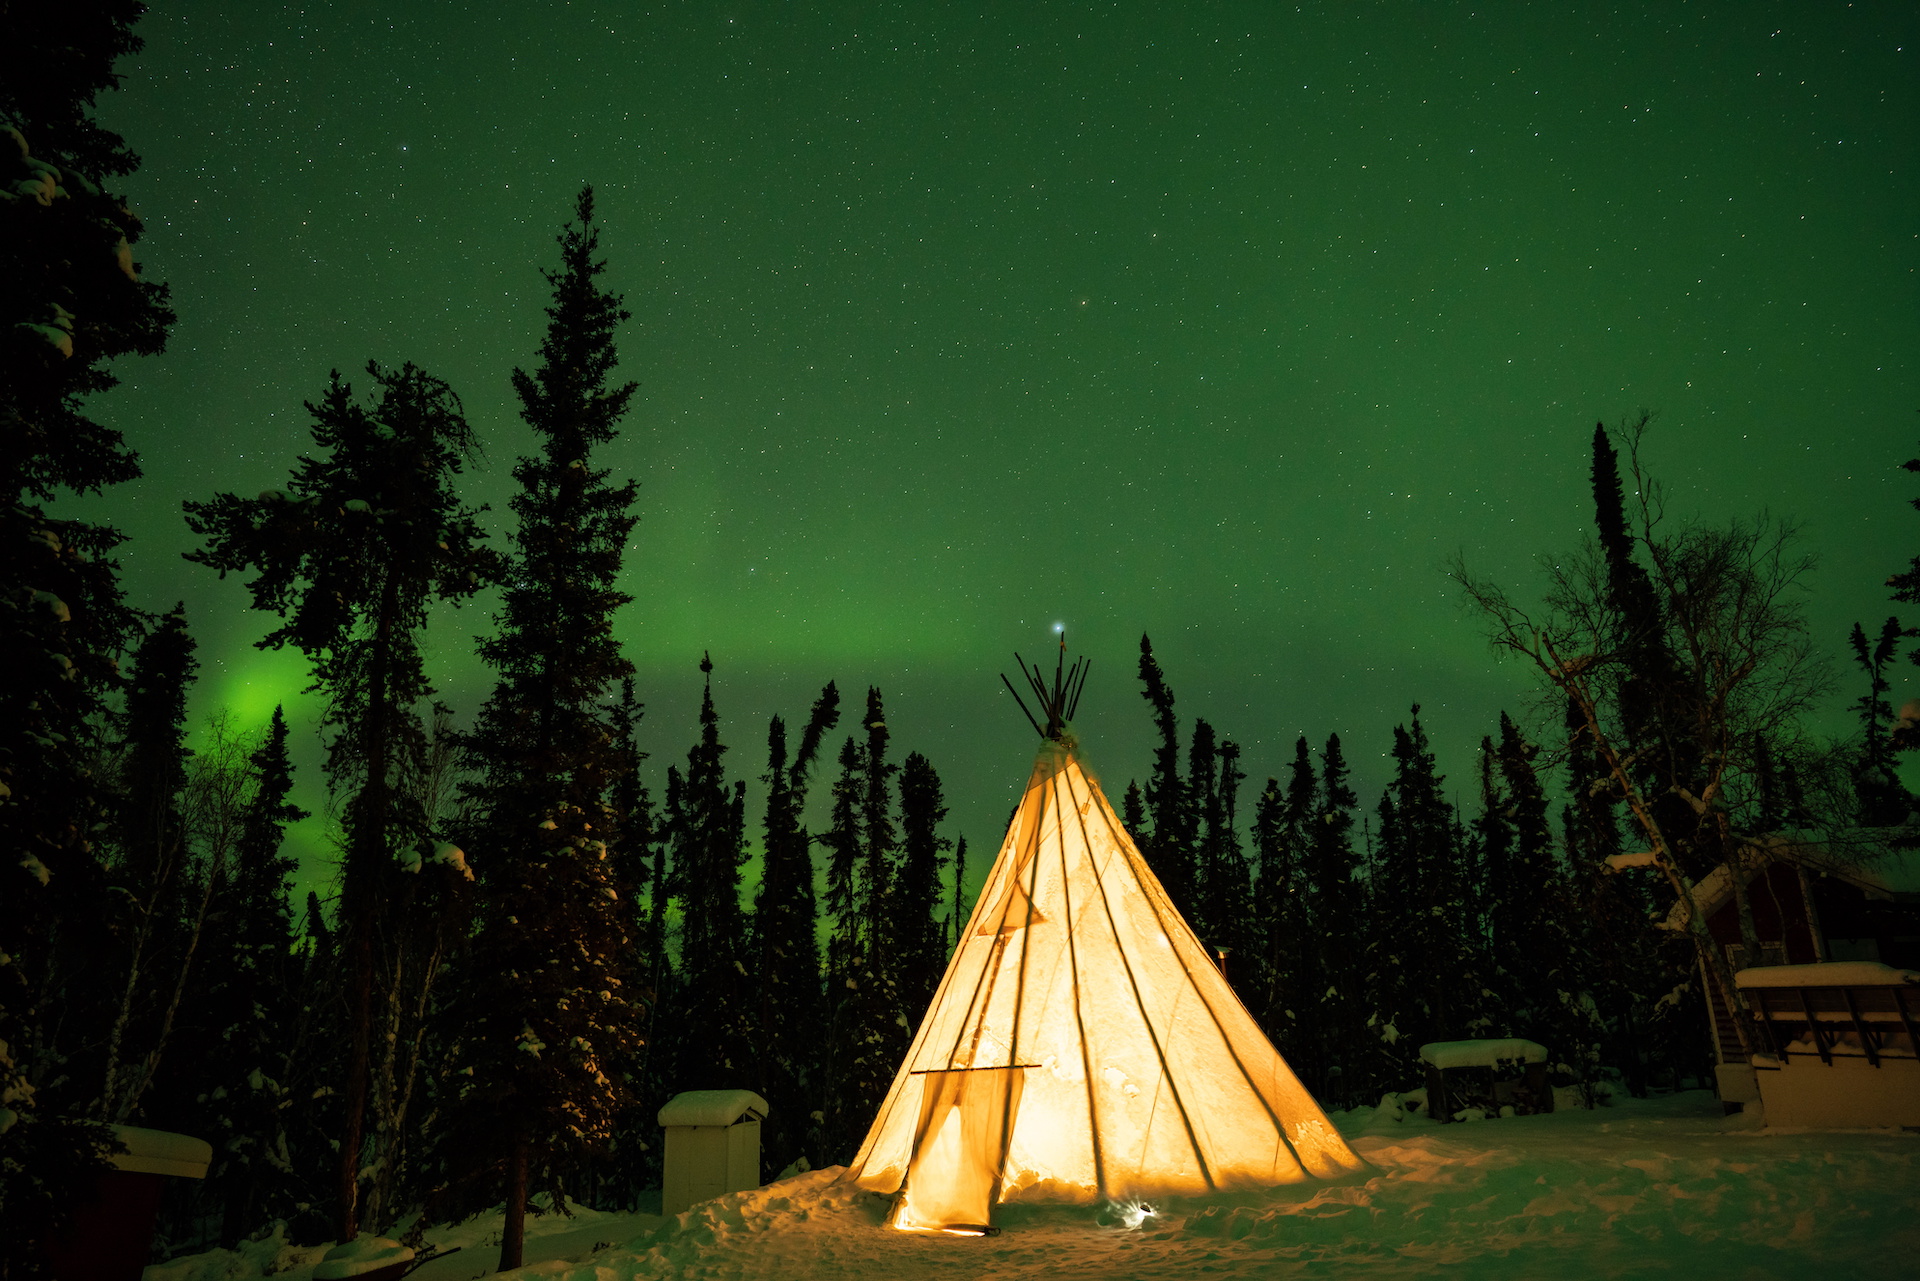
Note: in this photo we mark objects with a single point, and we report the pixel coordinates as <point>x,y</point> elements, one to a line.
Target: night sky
<point>1226,323</point>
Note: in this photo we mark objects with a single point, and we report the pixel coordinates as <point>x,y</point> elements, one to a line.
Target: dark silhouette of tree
<point>71,302</point>
<point>1168,840</point>
<point>847,944</point>
<point>920,951</point>
<point>1420,973</point>
<point>1681,648</point>
<point>367,536</point>
<point>252,995</point>
<point>150,866</point>
<point>1341,912</point>
<point>1224,891</point>
<point>548,1026</point>
<point>1289,979</point>
<point>785,942</point>
<point>706,827</point>
<point>1539,932</point>
<point>639,870</point>
<point>1882,799</point>
<point>870,1025</point>
<point>957,920</point>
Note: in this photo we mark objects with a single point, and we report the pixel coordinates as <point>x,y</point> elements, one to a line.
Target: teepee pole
<point>1140,1001</point>
<point>1079,1019</point>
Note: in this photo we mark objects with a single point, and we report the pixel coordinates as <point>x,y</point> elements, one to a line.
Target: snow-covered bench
<point>1490,1076</point>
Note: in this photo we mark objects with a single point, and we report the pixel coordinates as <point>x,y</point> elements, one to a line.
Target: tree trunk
<point>358,900</point>
<point>1814,932</point>
<point>513,1228</point>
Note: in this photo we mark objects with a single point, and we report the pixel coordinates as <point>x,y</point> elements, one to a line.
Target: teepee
<point>1083,1046</point>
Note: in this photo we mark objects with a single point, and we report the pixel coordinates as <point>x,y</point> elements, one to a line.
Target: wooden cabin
<point>1834,1036</point>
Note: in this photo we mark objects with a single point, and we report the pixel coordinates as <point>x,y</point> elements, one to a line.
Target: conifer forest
<point>439,926</point>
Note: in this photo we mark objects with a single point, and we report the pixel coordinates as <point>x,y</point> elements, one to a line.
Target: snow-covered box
<point>713,1145</point>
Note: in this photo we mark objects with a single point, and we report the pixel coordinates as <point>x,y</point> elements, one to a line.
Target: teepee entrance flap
<point>959,1147</point>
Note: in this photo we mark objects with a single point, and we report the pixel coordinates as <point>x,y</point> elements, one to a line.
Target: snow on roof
<point>1826,974</point>
<point>1459,1054</point>
<point>359,1257</point>
<point>1871,858</point>
<point>712,1107</point>
<point>160,1152</point>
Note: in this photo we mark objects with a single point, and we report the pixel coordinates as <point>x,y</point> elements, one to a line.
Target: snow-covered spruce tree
<point>711,1002</point>
<point>71,301</point>
<point>1168,837</point>
<point>1343,929</point>
<point>367,535</point>
<point>546,1024</point>
<point>919,947</point>
<point>785,948</point>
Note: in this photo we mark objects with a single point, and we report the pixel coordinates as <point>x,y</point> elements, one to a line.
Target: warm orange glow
<point>1083,1045</point>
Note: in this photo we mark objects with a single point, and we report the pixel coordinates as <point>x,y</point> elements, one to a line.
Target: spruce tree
<point>150,867</point>
<point>785,941</point>
<point>706,827</point>
<point>847,944</point>
<point>1224,884</point>
<point>639,876</point>
<point>1168,839</point>
<point>1342,933</point>
<point>367,536</point>
<point>870,1027</point>
<point>248,1004</point>
<point>1292,955</point>
<point>549,1027</point>
<point>957,919</point>
<point>919,945</point>
<point>71,301</point>
<point>1538,933</point>
<point>1880,798</point>
<point>1133,812</point>
<point>1423,966</point>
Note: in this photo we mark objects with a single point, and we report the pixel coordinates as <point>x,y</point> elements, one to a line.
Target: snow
<point>1459,1054</point>
<point>454,857</point>
<point>1826,974</point>
<point>1650,1187</point>
<point>162,1152</point>
<point>1621,862</point>
<point>357,1258</point>
<point>711,1107</point>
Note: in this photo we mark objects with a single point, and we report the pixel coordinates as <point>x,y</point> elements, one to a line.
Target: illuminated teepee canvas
<point>1083,1046</point>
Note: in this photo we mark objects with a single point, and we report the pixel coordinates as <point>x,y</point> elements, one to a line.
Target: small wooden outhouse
<point>713,1146</point>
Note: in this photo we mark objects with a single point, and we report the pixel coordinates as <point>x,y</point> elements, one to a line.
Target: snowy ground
<point>1658,1187</point>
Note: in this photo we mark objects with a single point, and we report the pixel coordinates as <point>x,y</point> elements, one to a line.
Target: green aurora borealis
<point>1226,322</point>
